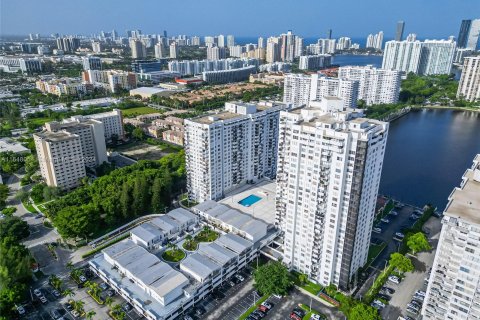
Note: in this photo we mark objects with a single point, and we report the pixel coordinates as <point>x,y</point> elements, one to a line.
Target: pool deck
<point>263,209</point>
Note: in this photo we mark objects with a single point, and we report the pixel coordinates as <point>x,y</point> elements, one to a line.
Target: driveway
<point>283,307</point>
<point>414,280</point>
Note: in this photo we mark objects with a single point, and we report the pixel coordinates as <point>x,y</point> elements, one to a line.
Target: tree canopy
<point>272,278</point>
<point>418,242</point>
<point>121,195</point>
<point>362,311</point>
<point>401,262</point>
<point>14,227</point>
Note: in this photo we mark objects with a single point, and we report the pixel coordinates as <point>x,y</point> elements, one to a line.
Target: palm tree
<point>109,301</point>
<point>69,265</point>
<point>78,306</point>
<point>90,314</point>
<point>68,292</point>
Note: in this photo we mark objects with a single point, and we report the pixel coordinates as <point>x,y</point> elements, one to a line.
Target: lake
<point>427,153</point>
<point>357,60</point>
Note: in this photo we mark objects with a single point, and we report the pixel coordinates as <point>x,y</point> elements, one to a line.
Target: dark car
<point>68,306</point>
<point>259,313</point>
<point>110,293</point>
<point>295,316</point>
<point>218,295</point>
<point>300,312</point>
<point>384,297</point>
<point>254,316</point>
<point>236,280</point>
<point>389,290</point>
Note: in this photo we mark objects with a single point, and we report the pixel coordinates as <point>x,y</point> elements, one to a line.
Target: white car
<point>315,317</point>
<point>239,277</point>
<point>393,213</point>
<point>21,310</point>
<point>377,230</point>
<point>380,303</point>
<point>394,279</point>
<point>413,306</point>
<point>37,292</point>
<point>82,278</point>
<point>385,220</point>
<point>43,299</point>
<point>75,313</point>
<point>399,235</point>
<point>420,293</point>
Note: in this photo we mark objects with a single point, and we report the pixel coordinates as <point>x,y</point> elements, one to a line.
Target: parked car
<point>126,307</point>
<point>263,308</point>
<point>416,303</point>
<point>217,295</point>
<point>239,277</point>
<point>295,316</point>
<point>56,294</point>
<point>394,279</point>
<point>419,298</point>
<point>254,316</point>
<point>68,306</point>
<point>315,317</point>
<point>260,313</point>
<point>103,286</point>
<point>389,290</point>
<point>37,292</point>
<point>231,283</point>
<point>376,306</point>
<point>420,293</point>
<point>55,314</point>
<point>82,278</point>
<point>384,297</point>
<point>385,220</point>
<point>110,293</point>
<point>187,317</point>
<point>399,235</point>
<point>412,306</point>
<point>20,310</point>
<point>380,303</point>
<point>75,313</point>
<point>377,230</point>
<point>413,311</point>
<point>199,311</point>
<point>393,213</point>
<point>300,312</point>
<point>267,305</point>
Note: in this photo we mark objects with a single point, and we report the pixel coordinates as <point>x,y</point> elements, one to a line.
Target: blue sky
<point>309,18</point>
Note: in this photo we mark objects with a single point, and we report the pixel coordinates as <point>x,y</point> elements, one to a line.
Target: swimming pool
<point>250,200</point>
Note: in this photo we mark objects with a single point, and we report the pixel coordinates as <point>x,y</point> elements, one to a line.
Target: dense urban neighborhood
<point>146,175</point>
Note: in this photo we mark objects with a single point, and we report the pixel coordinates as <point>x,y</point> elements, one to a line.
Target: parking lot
<point>413,280</point>
<point>237,300</point>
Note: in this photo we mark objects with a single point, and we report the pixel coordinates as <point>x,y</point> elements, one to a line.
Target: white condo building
<point>228,149</point>
<point>315,62</point>
<point>469,87</point>
<point>454,284</point>
<point>112,123</point>
<point>60,158</point>
<point>329,166</point>
<point>375,85</point>
<point>300,89</point>
<point>425,58</point>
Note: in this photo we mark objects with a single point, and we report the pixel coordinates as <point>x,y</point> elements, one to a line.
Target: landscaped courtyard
<point>173,255</point>
<point>206,235</point>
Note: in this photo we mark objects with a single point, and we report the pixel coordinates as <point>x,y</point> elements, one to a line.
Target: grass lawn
<point>173,255</point>
<point>29,206</point>
<point>206,236</point>
<point>39,121</point>
<point>138,111</point>
<point>190,245</point>
<point>374,251</point>
<point>309,286</point>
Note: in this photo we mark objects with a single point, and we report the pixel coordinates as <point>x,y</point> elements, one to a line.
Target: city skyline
<point>305,18</point>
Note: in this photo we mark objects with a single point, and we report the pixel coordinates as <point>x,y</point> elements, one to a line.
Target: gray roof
<point>200,265</point>
<point>217,253</point>
<point>206,205</point>
<point>165,223</point>
<point>181,215</point>
<point>146,267</point>
<point>233,242</point>
<point>146,231</point>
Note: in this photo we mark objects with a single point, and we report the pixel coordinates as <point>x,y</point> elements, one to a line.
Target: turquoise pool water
<point>248,201</point>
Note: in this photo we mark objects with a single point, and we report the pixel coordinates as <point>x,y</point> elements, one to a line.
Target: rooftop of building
<point>146,90</point>
<point>465,200</point>
<point>7,144</point>
<point>264,209</point>
<point>56,136</point>
<point>237,109</point>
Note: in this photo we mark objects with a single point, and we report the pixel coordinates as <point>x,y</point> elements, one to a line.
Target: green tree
<point>90,314</point>
<point>401,262</point>
<point>37,192</point>
<point>272,278</point>
<point>363,312</point>
<point>125,200</point>
<point>140,190</point>
<point>55,282</point>
<point>68,293</point>
<point>14,227</point>
<point>72,222</point>
<point>138,133</point>
<point>4,191</point>
<point>78,306</point>
<point>31,163</point>
<point>418,242</point>
<point>157,194</point>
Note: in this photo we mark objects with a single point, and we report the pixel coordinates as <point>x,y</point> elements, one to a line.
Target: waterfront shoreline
<point>475,109</point>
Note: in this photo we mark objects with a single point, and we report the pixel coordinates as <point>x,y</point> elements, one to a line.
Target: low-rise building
<point>63,86</point>
<point>175,137</point>
<point>227,76</point>
<point>147,92</point>
<point>9,145</point>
